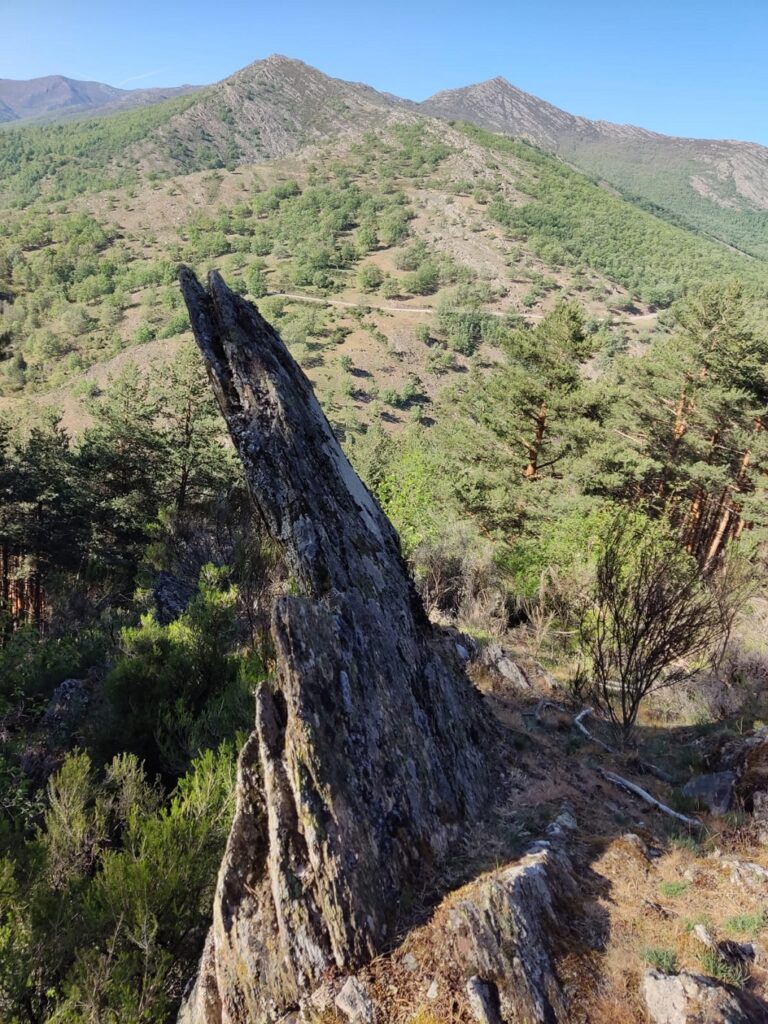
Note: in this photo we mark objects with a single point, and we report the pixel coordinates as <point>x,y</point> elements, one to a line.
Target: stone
<point>704,936</point>
<point>715,791</point>
<point>433,990</point>
<point>760,806</point>
<point>67,708</point>
<point>483,999</point>
<point>746,873</point>
<point>748,757</point>
<point>410,963</point>
<point>505,927</point>
<point>372,751</point>
<point>495,658</point>
<point>355,1003</point>
<point>692,999</point>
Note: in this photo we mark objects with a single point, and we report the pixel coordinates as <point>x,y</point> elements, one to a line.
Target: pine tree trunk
<point>532,469</point>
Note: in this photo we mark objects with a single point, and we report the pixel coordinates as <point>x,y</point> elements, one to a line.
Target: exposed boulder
<point>692,999</point>
<point>372,750</point>
<point>498,661</point>
<point>715,791</point>
<point>504,930</point>
<point>747,756</point>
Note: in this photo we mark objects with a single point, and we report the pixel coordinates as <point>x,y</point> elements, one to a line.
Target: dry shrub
<point>458,581</point>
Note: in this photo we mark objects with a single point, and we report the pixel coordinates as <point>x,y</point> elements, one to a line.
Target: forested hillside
<point>556,395</point>
<point>713,187</point>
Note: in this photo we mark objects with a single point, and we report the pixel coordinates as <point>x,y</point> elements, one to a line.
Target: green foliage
<point>661,959</point>
<point>106,915</point>
<point>718,967</point>
<point>369,277</point>
<point>178,688</point>
<point>523,421</point>
<point>85,155</point>
<point>673,889</point>
<point>747,924</point>
<point>32,667</point>
<point>649,257</point>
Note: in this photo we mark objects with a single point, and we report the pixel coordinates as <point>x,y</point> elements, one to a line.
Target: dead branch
<point>579,723</point>
<point>645,767</point>
<point>638,791</point>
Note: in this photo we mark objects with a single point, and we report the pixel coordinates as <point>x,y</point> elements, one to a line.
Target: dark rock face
<point>747,758</point>
<point>371,749</point>
<point>715,791</point>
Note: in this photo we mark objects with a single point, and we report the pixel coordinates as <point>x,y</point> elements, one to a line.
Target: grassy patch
<point>747,924</point>
<point>672,889</point>
<point>717,967</point>
<point>661,959</point>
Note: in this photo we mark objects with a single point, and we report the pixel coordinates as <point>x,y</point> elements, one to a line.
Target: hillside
<point>266,110</point>
<point>55,96</point>
<point>404,216</point>
<point>717,187</point>
<point>278,105</point>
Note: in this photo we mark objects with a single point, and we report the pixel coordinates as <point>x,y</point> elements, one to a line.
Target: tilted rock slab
<point>371,749</point>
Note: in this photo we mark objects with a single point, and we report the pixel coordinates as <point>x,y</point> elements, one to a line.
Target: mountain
<point>718,187</point>
<point>278,105</point>
<point>267,109</point>
<point>55,96</point>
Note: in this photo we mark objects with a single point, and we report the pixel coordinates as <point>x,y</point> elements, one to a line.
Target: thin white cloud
<point>140,78</point>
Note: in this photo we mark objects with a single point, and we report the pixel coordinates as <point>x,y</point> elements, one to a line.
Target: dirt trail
<point>346,304</point>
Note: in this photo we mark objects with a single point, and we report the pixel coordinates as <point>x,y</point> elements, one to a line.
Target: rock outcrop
<point>372,751</point>
<point>692,999</point>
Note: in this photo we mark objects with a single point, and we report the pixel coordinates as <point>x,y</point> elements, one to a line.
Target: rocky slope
<point>268,109</point>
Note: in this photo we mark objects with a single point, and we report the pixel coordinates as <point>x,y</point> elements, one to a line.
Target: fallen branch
<point>643,766</point>
<point>637,791</point>
<point>579,723</point>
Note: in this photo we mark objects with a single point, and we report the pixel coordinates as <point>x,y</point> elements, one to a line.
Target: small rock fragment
<point>433,990</point>
<point>355,1003</point>
<point>703,934</point>
<point>410,963</point>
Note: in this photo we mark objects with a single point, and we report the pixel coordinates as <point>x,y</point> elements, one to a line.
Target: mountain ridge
<point>56,96</point>
<point>277,105</point>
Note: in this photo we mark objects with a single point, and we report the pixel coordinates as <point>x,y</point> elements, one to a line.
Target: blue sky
<point>685,67</point>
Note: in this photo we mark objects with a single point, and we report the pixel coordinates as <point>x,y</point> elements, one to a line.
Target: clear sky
<point>684,67</point>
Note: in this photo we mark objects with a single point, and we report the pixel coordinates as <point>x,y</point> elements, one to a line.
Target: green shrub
<point>717,967</point>
<point>107,917</point>
<point>369,277</point>
<point>178,688</point>
<point>747,924</point>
